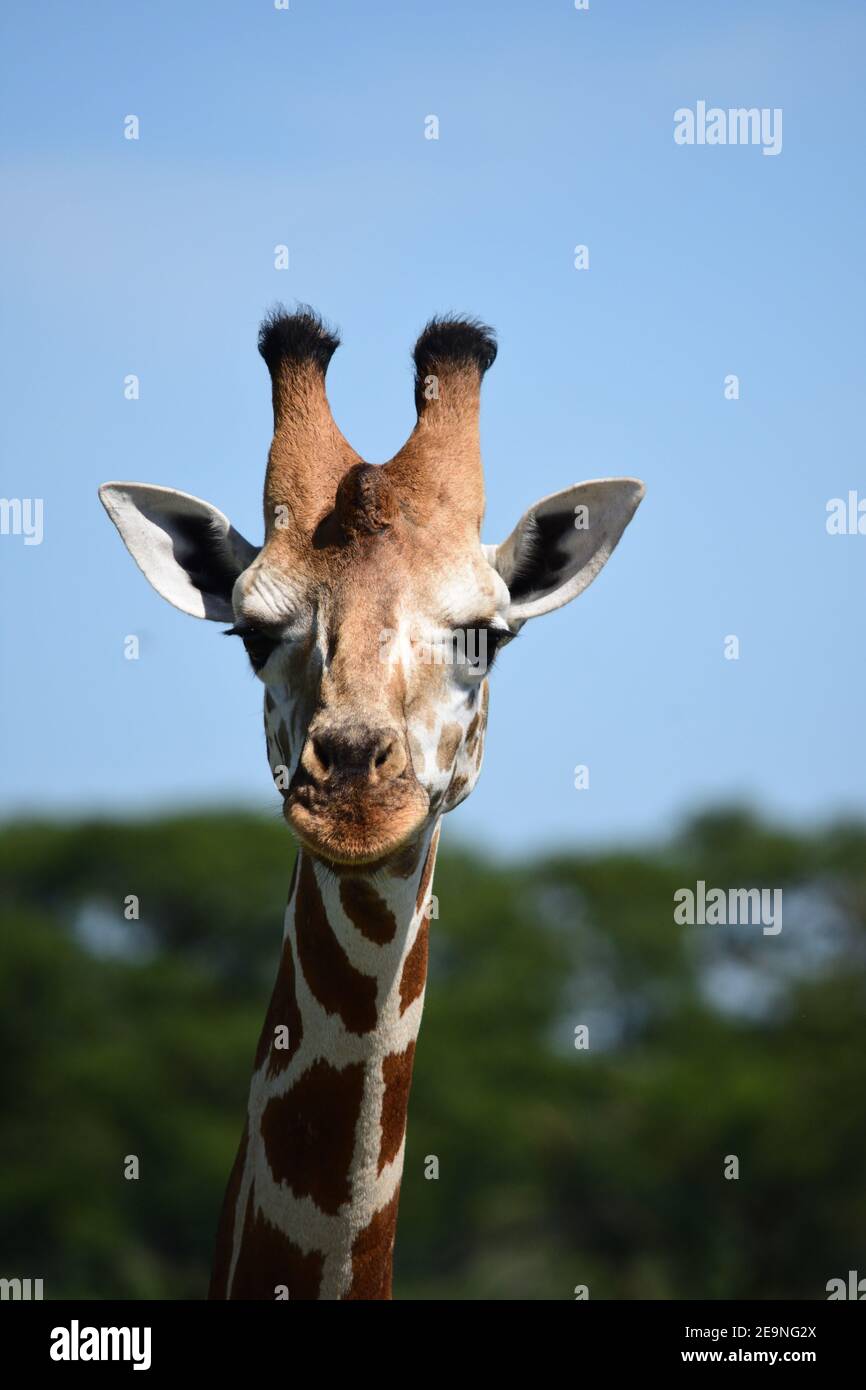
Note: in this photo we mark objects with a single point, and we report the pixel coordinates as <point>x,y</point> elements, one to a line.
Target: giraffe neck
<point>311,1206</point>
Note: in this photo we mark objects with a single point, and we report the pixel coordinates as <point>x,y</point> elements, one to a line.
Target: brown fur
<point>308,456</point>
<point>372,1254</point>
<point>427,873</point>
<point>350,536</point>
<point>414,976</point>
<point>447,428</point>
<point>397,1075</point>
<point>282,1011</point>
<point>309,1133</point>
<point>268,1259</point>
<point>338,986</point>
<point>366,910</point>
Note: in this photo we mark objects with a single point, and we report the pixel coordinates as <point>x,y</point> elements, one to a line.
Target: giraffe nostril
<point>320,749</point>
<point>354,751</point>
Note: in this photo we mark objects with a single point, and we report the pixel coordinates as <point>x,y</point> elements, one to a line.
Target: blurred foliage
<point>558,1166</point>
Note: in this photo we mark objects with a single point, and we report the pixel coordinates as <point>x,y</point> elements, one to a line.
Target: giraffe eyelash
<point>484,637</point>
<point>258,644</point>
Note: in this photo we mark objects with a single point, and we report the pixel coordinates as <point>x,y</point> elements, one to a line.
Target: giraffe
<point>371,614</point>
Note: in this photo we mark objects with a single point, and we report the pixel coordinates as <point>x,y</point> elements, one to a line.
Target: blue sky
<point>306,127</point>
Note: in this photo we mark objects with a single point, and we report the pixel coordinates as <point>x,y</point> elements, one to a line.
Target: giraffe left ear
<point>558,546</point>
<point>184,547</point>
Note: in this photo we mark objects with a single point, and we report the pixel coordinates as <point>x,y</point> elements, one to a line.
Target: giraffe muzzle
<point>354,797</point>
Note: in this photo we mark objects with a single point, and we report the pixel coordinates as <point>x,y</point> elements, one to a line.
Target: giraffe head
<point>372,612</point>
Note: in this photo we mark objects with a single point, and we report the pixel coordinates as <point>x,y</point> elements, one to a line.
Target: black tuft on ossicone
<point>298,337</point>
<point>452,339</point>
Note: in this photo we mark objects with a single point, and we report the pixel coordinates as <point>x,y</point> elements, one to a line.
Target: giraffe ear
<point>188,550</point>
<point>558,546</point>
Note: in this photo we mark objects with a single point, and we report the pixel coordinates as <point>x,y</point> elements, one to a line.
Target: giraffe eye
<point>258,644</point>
<point>476,645</point>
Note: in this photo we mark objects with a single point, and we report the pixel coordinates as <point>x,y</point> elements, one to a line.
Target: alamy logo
<point>22,516</point>
<point>739,125</point>
<point>855,1288</point>
<point>463,647</point>
<point>846,516</point>
<point>23,1289</point>
<point>75,1343</point>
<point>714,907</point>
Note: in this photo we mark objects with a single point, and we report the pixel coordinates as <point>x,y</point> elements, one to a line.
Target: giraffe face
<point>372,611</point>
<point>375,671</point>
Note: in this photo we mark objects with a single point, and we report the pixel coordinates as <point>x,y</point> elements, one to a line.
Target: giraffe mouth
<point>353,824</point>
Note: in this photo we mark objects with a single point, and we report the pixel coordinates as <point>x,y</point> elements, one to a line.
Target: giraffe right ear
<point>186,548</point>
<point>558,547</point>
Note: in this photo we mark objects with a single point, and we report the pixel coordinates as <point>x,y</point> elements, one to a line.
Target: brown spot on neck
<point>427,872</point>
<point>283,1012</point>
<point>338,986</point>
<point>414,976</point>
<point>397,1076</point>
<point>373,1255</point>
<point>268,1260</point>
<point>367,911</point>
<point>309,1133</point>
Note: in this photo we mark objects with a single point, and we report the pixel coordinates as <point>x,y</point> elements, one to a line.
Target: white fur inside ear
<point>186,548</point>
<point>560,545</point>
